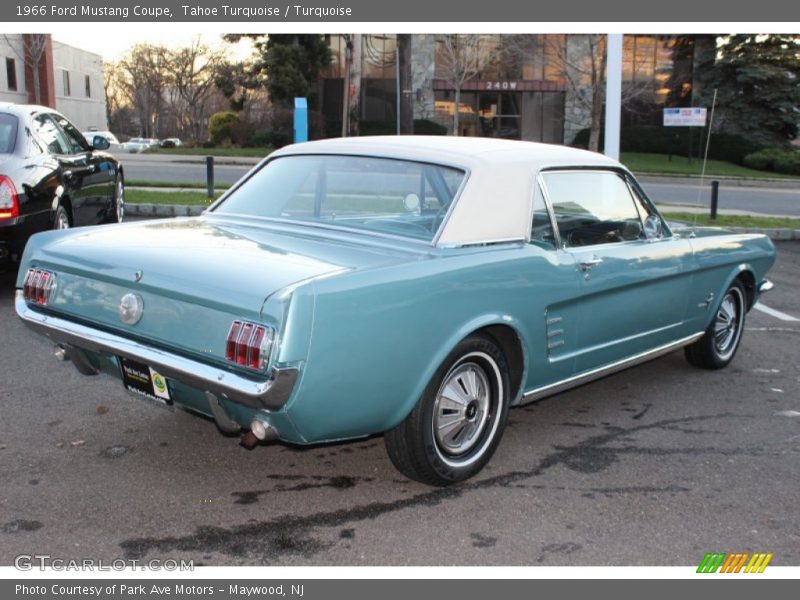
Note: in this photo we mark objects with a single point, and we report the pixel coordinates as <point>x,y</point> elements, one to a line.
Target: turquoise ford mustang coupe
<point>412,286</point>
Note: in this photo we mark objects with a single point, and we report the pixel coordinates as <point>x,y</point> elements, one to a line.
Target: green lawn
<point>735,220</point>
<point>641,162</point>
<point>148,197</point>
<point>247,152</point>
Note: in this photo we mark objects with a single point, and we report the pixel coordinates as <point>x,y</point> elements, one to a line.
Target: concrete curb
<point>180,210</point>
<point>773,234</point>
<point>162,210</point>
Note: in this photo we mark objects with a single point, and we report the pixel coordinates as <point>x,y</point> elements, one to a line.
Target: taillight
<point>39,286</point>
<point>9,202</point>
<point>249,344</point>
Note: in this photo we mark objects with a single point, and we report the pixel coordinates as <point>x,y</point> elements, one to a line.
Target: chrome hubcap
<point>120,204</point>
<point>462,408</point>
<point>62,221</point>
<point>727,324</point>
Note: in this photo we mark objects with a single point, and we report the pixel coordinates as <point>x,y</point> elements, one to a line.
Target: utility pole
<point>613,95</point>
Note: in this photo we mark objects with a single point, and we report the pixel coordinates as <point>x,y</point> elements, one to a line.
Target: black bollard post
<point>210,175</point>
<point>714,198</point>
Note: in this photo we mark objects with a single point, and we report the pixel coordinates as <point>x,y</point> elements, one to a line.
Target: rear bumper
<point>765,286</point>
<point>270,395</point>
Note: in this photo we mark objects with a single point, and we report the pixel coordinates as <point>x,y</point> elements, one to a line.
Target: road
<point>764,200</point>
<point>653,466</point>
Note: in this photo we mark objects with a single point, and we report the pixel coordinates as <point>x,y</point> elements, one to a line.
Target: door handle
<point>587,263</point>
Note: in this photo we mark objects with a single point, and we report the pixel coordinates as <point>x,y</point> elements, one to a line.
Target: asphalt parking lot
<point>653,466</point>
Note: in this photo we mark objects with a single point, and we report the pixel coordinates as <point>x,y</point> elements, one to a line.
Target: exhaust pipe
<point>260,431</point>
<point>79,359</point>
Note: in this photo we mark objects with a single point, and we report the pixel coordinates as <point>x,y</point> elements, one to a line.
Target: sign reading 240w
<point>684,117</point>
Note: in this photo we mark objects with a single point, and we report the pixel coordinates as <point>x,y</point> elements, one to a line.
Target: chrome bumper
<point>765,286</point>
<point>270,395</point>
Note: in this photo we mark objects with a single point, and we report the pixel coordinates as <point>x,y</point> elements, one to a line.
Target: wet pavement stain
<point>340,482</point>
<point>20,525</point>
<point>269,540</point>
<point>482,541</point>
<point>116,451</point>
<point>558,549</point>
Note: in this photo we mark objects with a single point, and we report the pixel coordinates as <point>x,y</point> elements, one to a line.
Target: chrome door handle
<point>588,263</point>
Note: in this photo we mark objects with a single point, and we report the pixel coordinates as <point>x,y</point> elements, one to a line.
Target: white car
<point>138,144</point>
<point>113,142</point>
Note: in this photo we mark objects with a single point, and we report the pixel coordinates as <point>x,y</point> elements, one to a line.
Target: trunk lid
<point>195,276</point>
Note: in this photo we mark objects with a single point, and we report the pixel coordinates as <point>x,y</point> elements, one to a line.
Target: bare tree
<point>190,85</point>
<point>460,60</point>
<point>582,66</point>
<point>33,49</point>
<point>143,80</point>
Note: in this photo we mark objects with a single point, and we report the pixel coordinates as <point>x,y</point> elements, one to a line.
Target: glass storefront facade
<point>519,88</point>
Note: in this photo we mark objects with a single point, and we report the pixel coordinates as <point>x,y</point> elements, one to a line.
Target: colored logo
<point>159,383</point>
<point>734,562</point>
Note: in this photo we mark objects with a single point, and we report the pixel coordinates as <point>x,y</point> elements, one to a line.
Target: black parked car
<point>51,177</point>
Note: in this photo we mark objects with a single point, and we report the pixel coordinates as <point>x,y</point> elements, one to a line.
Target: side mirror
<point>412,203</point>
<point>100,143</point>
<point>653,229</point>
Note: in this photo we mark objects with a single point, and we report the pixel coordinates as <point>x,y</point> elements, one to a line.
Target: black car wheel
<point>718,345</point>
<point>457,424</point>
<point>61,219</point>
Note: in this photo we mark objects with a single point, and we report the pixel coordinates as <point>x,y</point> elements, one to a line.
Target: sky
<point>111,45</point>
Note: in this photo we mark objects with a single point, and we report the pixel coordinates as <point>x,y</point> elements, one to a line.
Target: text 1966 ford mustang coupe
<point>411,286</point>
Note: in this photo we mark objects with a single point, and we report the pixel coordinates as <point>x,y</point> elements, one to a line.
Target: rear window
<point>8,133</point>
<point>380,195</point>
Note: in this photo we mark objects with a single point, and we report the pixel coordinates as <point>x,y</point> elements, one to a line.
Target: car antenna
<point>705,161</point>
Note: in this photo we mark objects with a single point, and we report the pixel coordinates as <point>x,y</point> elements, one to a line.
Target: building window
<point>65,78</point>
<point>11,74</point>
<point>88,86</point>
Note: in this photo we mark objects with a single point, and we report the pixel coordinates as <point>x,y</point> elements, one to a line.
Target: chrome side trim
<point>271,394</point>
<point>576,380</point>
<point>765,286</point>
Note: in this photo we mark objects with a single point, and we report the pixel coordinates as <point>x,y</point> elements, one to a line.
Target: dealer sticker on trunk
<point>144,381</point>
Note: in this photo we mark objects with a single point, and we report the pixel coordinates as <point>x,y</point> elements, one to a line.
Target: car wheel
<point>61,219</point>
<point>456,425</point>
<point>118,204</point>
<point>718,345</point>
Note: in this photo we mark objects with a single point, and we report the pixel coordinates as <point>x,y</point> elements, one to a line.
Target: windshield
<point>8,133</point>
<point>381,195</point>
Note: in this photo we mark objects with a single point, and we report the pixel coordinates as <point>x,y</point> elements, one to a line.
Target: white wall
<point>84,111</point>
<point>11,47</point>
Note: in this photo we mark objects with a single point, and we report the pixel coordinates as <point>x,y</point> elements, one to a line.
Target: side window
<point>541,228</point>
<point>592,207</point>
<point>75,139</point>
<point>50,134</point>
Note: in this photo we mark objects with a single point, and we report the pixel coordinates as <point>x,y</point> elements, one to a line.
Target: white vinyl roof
<point>496,201</point>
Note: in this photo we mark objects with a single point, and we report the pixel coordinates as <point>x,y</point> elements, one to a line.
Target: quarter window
<point>541,228</point>
<point>592,207</point>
